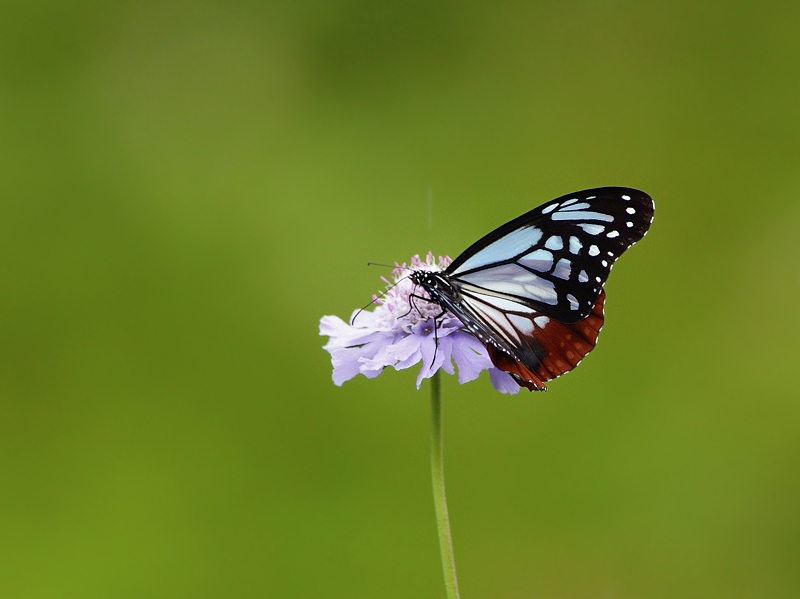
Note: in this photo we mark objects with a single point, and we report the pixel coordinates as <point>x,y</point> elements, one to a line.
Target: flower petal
<point>343,335</point>
<point>406,348</point>
<point>503,382</point>
<point>470,356</point>
<point>446,349</point>
<point>376,357</point>
<point>346,364</point>
<point>428,348</point>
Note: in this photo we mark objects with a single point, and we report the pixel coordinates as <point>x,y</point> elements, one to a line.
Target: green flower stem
<point>439,500</point>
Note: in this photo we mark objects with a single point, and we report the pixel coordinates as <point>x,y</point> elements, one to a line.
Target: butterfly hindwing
<point>534,348</point>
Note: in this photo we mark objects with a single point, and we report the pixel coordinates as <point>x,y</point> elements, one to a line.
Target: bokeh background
<point>187,187</point>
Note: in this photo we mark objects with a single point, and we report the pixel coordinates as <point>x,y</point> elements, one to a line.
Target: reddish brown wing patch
<point>563,346</point>
<point>522,375</point>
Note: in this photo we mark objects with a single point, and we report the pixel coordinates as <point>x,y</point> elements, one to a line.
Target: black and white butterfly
<point>532,290</point>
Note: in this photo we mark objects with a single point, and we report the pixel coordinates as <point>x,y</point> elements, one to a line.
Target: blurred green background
<point>186,188</point>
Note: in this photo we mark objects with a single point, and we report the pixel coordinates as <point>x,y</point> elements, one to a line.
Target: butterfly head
<point>437,285</point>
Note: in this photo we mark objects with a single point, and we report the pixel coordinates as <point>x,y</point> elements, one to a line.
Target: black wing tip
<point>616,191</point>
<point>632,194</point>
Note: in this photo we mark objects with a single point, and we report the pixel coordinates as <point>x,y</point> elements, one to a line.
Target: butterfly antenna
<point>374,299</point>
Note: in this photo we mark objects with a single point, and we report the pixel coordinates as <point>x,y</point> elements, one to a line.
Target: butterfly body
<point>532,290</point>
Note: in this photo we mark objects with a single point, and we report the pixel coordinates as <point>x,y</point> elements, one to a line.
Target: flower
<point>402,330</point>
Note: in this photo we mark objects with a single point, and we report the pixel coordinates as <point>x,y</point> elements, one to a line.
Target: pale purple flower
<point>399,332</point>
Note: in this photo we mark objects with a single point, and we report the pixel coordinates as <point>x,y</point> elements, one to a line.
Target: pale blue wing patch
<point>554,243</point>
<point>592,229</point>
<point>540,260</point>
<point>582,215</point>
<point>581,206</point>
<point>506,248</point>
<point>523,324</point>
<point>563,269</point>
<point>496,319</point>
<point>522,283</point>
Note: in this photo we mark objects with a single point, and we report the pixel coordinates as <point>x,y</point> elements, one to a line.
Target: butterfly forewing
<point>555,258</point>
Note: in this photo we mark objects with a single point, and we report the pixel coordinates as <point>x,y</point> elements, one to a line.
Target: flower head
<point>403,330</point>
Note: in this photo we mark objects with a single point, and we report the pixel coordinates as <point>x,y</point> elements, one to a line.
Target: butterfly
<point>532,290</point>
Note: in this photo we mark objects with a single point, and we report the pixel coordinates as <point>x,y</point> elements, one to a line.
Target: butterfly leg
<point>436,334</point>
<point>412,305</point>
<point>435,320</point>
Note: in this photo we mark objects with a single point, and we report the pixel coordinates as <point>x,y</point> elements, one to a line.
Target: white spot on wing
<point>549,209</point>
<point>575,245</point>
<point>583,277</point>
<point>612,234</point>
<point>629,224</point>
<point>630,210</point>
<point>570,201</point>
<point>626,198</point>
<point>593,250</point>
<point>541,321</point>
